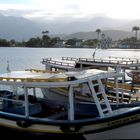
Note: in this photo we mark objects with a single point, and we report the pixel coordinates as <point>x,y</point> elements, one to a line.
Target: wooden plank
<point>126,86</point>
<point>33,79</point>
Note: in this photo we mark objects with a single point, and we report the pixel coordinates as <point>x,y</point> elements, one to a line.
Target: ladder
<point>100,92</point>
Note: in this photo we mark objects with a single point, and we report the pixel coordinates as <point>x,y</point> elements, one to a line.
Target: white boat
<point>23,109</point>
<point>109,63</point>
<point>73,64</point>
<point>83,93</point>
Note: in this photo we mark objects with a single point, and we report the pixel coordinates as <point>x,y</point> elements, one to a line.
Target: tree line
<point>47,41</point>
<point>44,41</point>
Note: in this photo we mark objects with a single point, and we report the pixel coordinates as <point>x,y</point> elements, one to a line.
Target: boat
<point>25,109</point>
<point>108,63</point>
<point>72,64</point>
<point>83,93</point>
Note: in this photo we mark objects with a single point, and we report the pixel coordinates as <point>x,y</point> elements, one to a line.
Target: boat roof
<point>44,76</point>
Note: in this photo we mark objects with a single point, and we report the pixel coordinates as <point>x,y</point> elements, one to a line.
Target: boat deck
<point>63,64</point>
<point>71,62</point>
<point>126,63</point>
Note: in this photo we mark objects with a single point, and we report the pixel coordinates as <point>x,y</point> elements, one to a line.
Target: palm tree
<point>45,38</point>
<point>136,29</point>
<point>98,31</point>
<point>45,32</point>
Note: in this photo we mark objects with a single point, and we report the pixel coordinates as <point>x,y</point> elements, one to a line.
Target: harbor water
<point>26,58</point>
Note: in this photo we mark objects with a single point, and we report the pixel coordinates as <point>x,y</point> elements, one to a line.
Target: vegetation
<point>91,42</point>
<point>4,42</point>
<point>46,41</point>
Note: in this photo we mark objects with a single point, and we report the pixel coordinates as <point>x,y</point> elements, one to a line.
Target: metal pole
<point>26,102</point>
<point>123,87</point>
<point>71,104</point>
<point>117,91</point>
<point>34,92</point>
<point>81,66</point>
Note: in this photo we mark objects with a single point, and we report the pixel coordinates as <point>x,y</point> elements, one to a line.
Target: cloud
<point>72,9</point>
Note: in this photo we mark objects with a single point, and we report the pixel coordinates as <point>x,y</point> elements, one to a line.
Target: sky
<point>70,9</point>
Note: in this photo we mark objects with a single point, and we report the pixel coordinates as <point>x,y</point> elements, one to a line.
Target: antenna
<point>8,67</point>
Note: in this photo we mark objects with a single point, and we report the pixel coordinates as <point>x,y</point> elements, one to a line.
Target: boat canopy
<point>45,76</point>
<point>44,79</point>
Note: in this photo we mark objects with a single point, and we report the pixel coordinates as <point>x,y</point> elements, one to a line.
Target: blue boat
<point>23,107</point>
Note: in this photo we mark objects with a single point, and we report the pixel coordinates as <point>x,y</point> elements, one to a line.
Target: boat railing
<point>116,60</point>
<point>13,100</point>
<point>16,106</point>
<point>61,63</point>
<point>70,58</point>
<point>44,60</point>
<point>10,101</point>
<point>110,61</point>
<point>122,58</point>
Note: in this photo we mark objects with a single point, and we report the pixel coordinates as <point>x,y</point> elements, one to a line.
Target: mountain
<point>84,25</point>
<point>19,28</point>
<point>114,34</point>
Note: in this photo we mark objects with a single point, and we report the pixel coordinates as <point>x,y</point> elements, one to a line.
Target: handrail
<point>60,63</point>
<point>70,58</point>
<point>54,82</point>
<point>116,57</point>
<point>14,100</point>
<point>109,61</point>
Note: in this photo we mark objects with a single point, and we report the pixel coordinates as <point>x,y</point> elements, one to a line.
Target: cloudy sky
<point>71,9</point>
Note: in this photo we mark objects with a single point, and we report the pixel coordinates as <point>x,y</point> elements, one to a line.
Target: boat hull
<point>130,131</point>
<point>125,132</point>
<point>114,127</point>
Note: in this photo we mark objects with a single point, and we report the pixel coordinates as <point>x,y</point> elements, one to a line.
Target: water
<point>26,58</point>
